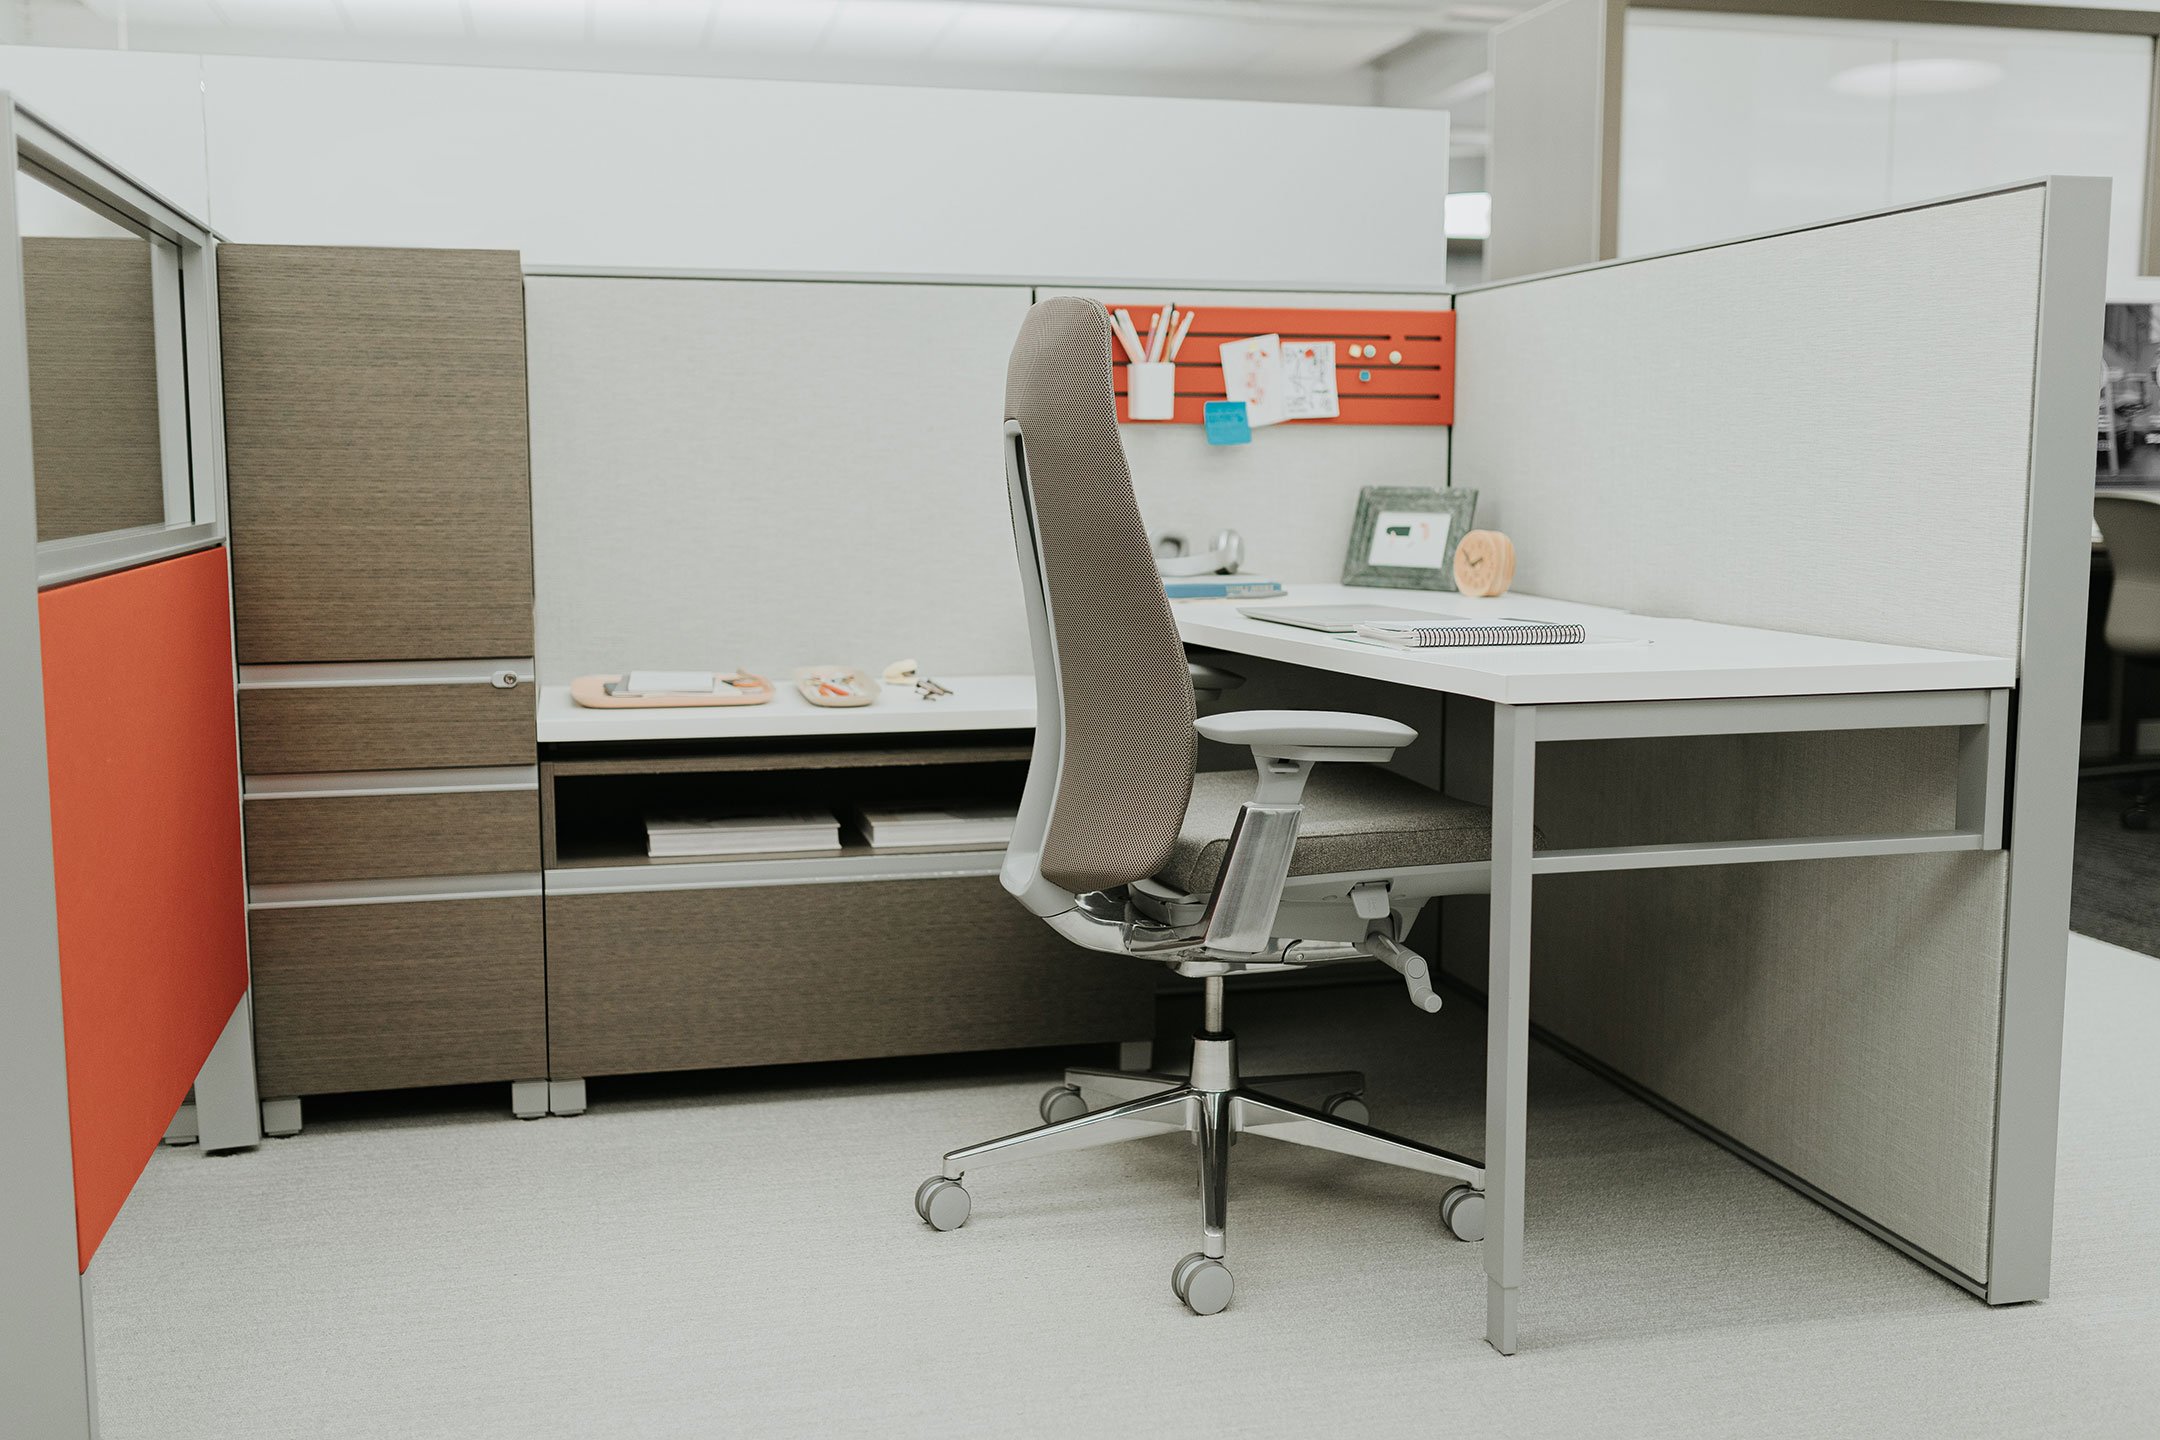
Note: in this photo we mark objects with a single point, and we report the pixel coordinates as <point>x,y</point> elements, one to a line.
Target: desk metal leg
<point>1507,1019</point>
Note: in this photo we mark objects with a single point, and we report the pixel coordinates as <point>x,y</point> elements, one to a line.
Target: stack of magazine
<point>765,833</point>
<point>935,827</point>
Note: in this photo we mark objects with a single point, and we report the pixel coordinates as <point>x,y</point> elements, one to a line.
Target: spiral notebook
<point>1440,633</point>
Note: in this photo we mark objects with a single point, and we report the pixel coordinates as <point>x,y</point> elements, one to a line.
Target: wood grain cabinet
<point>310,838</point>
<point>309,729</point>
<point>376,445</point>
<point>392,994</point>
<point>763,975</point>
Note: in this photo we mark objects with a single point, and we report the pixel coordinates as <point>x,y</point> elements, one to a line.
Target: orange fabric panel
<point>1419,390</point>
<point>145,774</point>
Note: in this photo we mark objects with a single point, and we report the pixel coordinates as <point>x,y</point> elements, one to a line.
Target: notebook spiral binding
<point>1420,637</point>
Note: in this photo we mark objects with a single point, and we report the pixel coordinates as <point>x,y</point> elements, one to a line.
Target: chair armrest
<point>1309,734</point>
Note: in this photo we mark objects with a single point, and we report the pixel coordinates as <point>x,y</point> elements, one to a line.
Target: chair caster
<point>2137,817</point>
<point>1462,1211</point>
<point>1202,1283</point>
<point>942,1203</point>
<point>1347,1107</point>
<point>1062,1102</point>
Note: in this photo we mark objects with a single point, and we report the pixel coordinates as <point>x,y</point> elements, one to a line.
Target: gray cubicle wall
<point>1872,429</point>
<point>772,471</point>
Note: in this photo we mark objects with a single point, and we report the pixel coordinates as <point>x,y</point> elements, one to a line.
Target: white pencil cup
<point>1151,391</point>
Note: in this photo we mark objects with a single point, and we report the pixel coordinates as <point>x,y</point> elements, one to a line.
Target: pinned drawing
<point>1308,368</point>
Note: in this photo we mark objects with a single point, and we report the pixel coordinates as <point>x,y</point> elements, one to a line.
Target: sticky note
<point>1226,423</point>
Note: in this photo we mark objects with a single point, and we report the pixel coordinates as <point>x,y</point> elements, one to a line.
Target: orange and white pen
<point>1177,341</point>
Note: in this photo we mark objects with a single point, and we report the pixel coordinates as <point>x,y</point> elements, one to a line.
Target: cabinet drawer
<point>691,979</point>
<point>376,452</point>
<point>415,719</point>
<point>393,994</point>
<point>299,837</point>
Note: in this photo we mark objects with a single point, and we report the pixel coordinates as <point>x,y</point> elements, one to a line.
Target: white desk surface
<point>1653,659</point>
<point>978,702</point>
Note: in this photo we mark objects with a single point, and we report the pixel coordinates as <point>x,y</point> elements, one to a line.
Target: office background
<point>628,252</point>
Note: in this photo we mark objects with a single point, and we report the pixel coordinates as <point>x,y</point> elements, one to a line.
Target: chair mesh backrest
<point>2131,528</point>
<point>1123,691</point>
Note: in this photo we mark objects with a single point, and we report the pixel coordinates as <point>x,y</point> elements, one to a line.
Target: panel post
<point>228,1112</point>
<point>45,1384</point>
<point>1507,1015</point>
<point>2043,781</point>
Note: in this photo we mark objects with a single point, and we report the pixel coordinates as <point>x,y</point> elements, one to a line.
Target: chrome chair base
<point>1214,1107</point>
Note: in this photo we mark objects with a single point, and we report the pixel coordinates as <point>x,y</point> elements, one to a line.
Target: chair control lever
<point>1370,900</point>
<point>1411,966</point>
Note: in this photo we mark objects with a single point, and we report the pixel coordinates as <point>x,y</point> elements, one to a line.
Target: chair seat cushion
<point>1357,817</point>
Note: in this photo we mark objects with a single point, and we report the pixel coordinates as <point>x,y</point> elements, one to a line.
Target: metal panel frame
<point>46,1386</point>
<point>1517,730</point>
<point>2043,778</point>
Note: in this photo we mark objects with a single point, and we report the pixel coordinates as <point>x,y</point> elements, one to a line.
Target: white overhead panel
<point>568,167</point>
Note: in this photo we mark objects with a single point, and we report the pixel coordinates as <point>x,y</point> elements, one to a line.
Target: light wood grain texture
<point>92,336</point>
<point>302,731</point>
<point>381,997</point>
<point>690,979</point>
<point>376,452</point>
<point>378,837</point>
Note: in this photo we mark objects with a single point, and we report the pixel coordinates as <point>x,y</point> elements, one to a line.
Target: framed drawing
<point>1404,537</point>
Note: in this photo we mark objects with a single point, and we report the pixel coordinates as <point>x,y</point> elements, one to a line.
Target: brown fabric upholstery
<point>1357,817</point>
<point>1127,698</point>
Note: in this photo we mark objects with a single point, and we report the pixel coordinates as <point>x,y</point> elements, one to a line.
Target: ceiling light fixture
<point>1935,76</point>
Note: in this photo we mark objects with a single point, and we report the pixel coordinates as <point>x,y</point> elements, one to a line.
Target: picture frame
<point>1403,537</point>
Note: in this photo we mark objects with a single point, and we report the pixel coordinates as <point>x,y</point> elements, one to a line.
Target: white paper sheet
<point>1253,372</point>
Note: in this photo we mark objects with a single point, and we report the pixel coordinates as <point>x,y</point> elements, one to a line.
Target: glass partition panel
<point>108,395</point>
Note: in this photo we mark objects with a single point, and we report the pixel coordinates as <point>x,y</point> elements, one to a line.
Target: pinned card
<point>1253,372</point>
<point>1308,372</point>
<point>1226,423</point>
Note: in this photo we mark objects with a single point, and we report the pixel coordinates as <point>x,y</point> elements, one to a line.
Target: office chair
<point>1121,848</point>
<point>2129,522</point>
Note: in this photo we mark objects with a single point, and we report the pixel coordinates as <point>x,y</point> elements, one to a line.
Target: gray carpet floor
<point>2115,880</point>
<point>740,1258</point>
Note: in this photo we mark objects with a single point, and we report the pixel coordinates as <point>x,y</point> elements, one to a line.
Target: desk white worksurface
<point>1639,676</point>
<point>977,702</point>
<point>1628,656</point>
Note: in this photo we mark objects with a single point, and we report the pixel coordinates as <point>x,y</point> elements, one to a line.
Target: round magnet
<point>1364,374</point>
<point>1394,357</point>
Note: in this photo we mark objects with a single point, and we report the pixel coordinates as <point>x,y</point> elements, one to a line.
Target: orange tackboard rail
<point>145,777</point>
<point>1420,390</point>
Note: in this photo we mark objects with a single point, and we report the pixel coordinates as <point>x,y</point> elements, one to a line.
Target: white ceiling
<point>1250,39</point>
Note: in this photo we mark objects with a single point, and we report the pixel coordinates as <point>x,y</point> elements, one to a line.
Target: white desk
<point>1641,676</point>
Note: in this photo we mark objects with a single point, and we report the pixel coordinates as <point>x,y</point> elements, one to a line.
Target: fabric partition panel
<point>145,782</point>
<point>1827,431</point>
<point>770,474</point>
